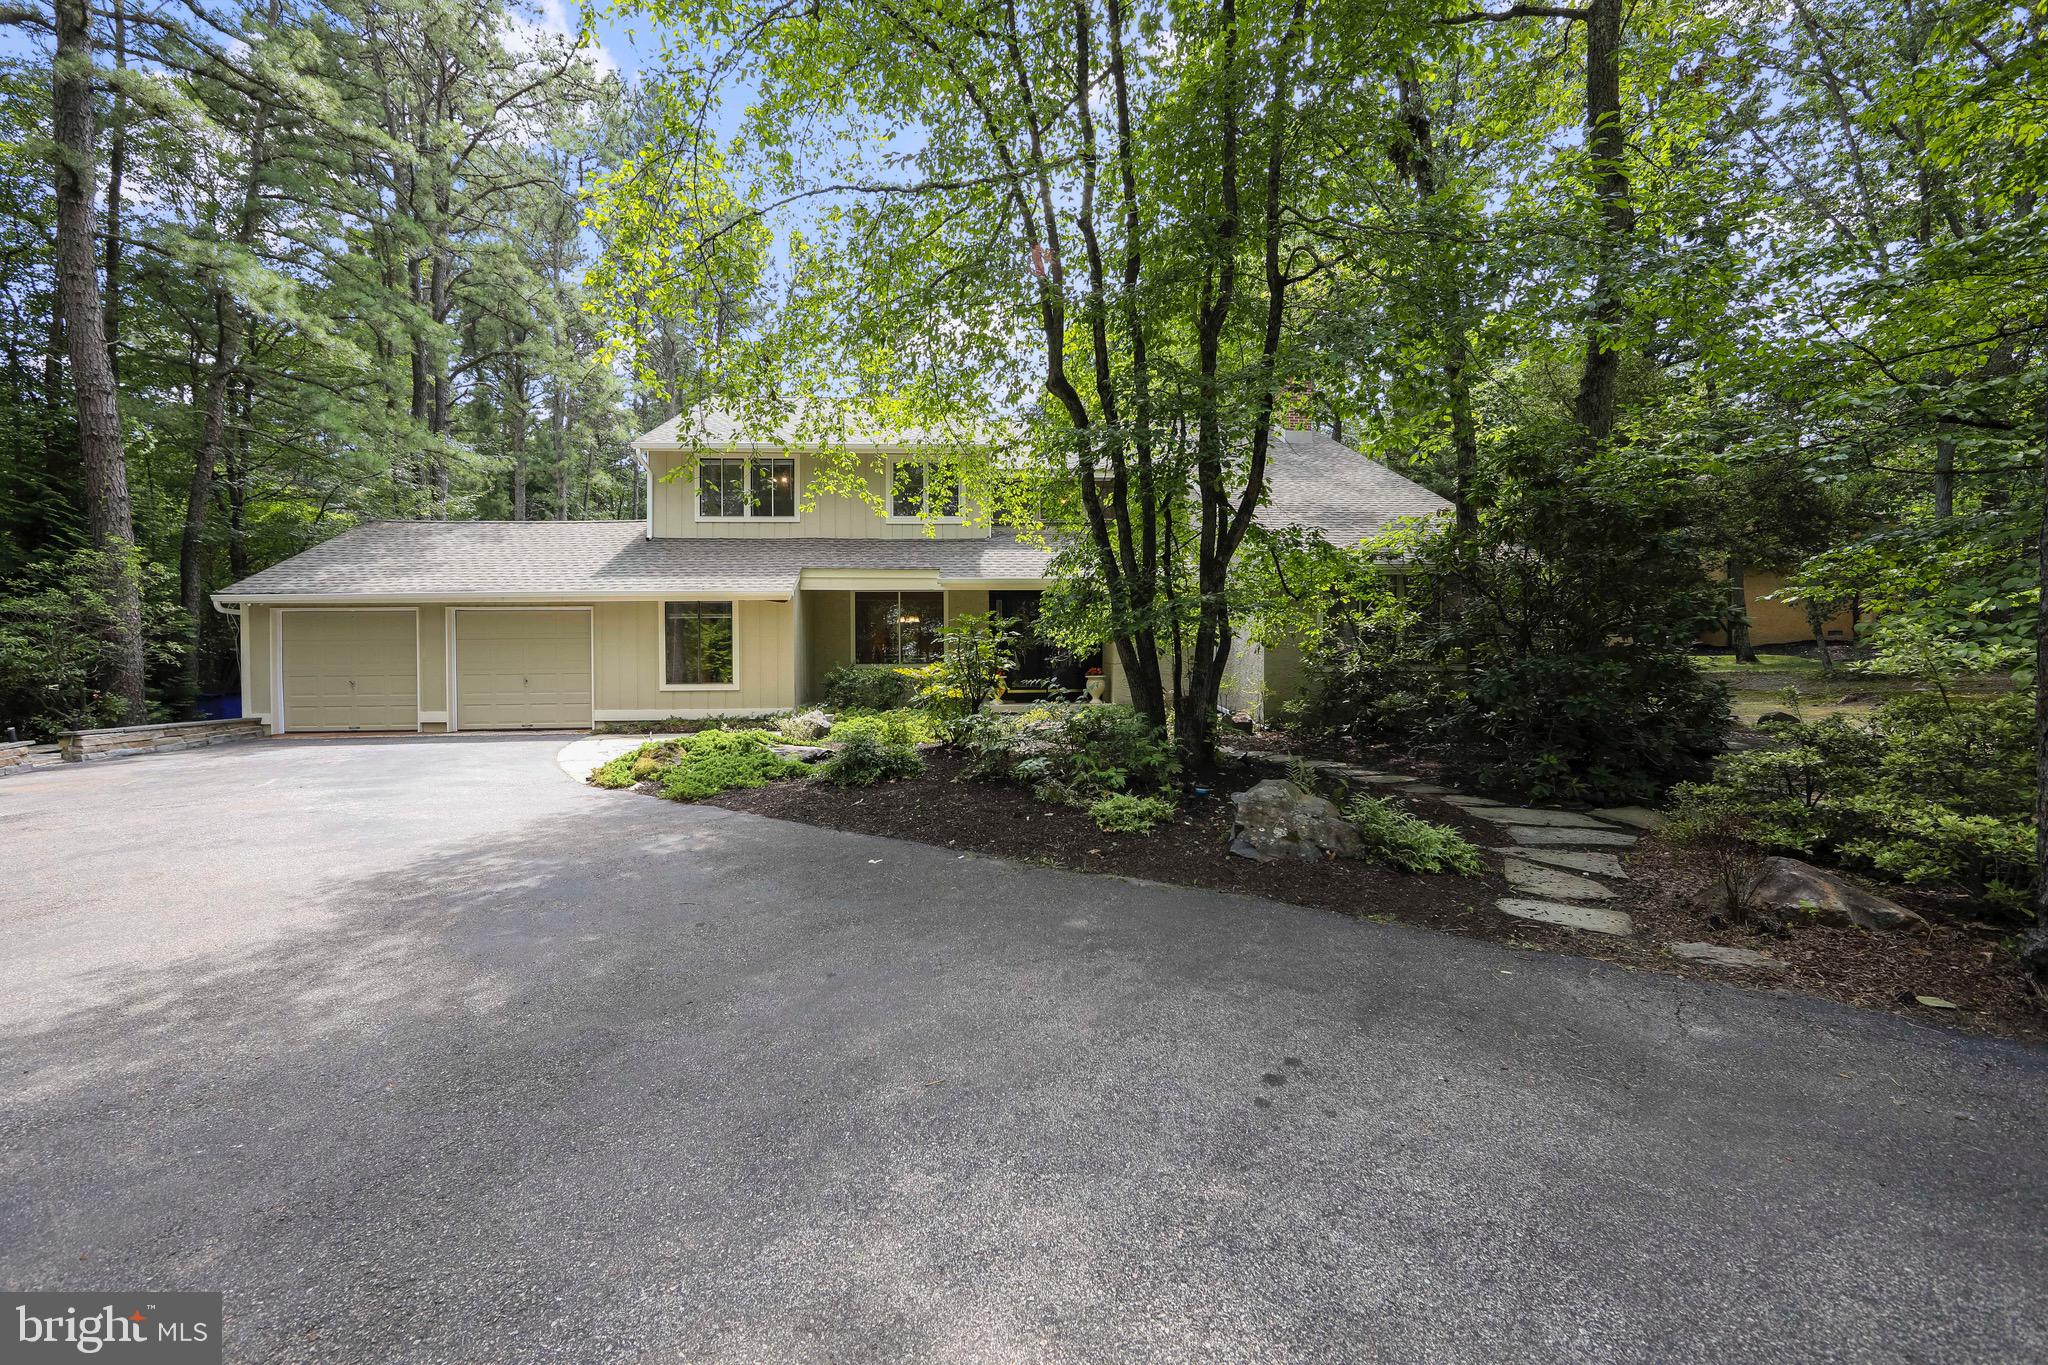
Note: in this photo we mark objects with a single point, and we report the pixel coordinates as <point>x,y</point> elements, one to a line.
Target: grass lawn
<point>1725,666</point>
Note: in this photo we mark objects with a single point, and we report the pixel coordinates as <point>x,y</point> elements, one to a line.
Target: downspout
<point>241,653</point>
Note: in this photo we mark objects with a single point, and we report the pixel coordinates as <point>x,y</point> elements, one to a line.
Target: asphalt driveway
<point>421,1052</point>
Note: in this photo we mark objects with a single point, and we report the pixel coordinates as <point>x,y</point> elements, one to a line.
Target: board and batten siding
<point>434,667</point>
<point>629,665</point>
<point>835,515</point>
<point>828,632</point>
<point>259,690</point>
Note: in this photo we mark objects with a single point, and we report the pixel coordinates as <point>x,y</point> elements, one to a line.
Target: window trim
<point>889,499</point>
<point>746,497</point>
<point>661,645</point>
<point>945,596</point>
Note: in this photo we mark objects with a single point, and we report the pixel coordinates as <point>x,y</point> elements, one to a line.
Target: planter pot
<point>1095,687</point>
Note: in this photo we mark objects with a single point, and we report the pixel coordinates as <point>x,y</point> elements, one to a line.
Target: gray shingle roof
<point>600,559</point>
<point>716,427</point>
<point>1316,484</point>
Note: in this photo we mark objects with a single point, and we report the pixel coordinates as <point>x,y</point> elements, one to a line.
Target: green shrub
<point>866,759</point>
<point>56,642</point>
<point>903,727</point>
<point>627,768</point>
<point>975,652</point>
<point>1409,842</point>
<point>1548,647</point>
<point>1935,790</point>
<point>1122,813</point>
<point>865,687</point>
<point>722,760</point>
<point>1068,755</point>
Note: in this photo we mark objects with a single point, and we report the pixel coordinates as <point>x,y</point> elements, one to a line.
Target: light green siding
<point>836,515</point>
<point>629,665</point>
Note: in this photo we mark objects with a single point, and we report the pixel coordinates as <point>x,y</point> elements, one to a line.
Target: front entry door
<point>1041,669</point>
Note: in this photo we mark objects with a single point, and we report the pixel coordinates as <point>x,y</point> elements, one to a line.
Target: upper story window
<point>730,488</point>
<point>917,493</point>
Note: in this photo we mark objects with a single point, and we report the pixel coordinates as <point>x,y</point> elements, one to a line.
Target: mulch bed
<point>1670,893</point>
<point>1007,822</point>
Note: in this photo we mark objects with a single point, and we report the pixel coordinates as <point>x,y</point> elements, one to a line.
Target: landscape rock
<point>1537,880</point>
<point>802,753</point>
<point>1537,815</point>
<point>1789,888</point>
<point>1577,860</point>
<point>807,725</point>
<point>1545,837</point>
<point>1714,955</point>
<point>1636,817</point>
<point>1274,820</point>
<point>1588,917</point>
<point>1777,718</point>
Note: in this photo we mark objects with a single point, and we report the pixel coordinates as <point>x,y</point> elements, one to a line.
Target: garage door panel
<point>351,670</point>
<point>522,669</point>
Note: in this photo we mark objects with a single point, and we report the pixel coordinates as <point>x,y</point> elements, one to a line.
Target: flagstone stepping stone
<point>1714,955</point>
<point>1424,789</point>
<point>1474,802</point>
<point>1588,917</point>
<point>1537,880</point>
<point>1543,837</point>
<point>1636,817</point>
<point>1578,860</point>
<point>1537,815</point>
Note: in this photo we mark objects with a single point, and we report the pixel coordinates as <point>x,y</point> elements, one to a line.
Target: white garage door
<point>350,670</point>
<point>522,670</point>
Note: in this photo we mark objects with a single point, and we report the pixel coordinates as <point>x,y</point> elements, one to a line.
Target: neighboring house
<point>728,600</point>
<point>1773,622</point>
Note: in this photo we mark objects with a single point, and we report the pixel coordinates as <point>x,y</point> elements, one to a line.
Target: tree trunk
<point>1417,160</point>
<point>2034,952</point>
<point>1944,479</point>
<point>109,515</point>
<point>1607,146</point>
<point>515,383</point>
<point>227,361</point>
<point>1738,613</point>
<point>117,169</point>
<point>238,491</point>
<point>220,383</point>
<point>558,426</point>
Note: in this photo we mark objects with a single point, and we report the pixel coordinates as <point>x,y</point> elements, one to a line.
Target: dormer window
<point>919,493</point>
<point>753,489</point>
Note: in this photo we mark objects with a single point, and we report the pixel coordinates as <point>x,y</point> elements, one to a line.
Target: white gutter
<point>316,599</point>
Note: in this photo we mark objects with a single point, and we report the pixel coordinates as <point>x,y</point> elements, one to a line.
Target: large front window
<point>733,489</point>
<point>697,644</point>
<point>897,627</point>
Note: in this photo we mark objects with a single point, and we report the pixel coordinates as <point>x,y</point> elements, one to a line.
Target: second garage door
<point>522,670</point>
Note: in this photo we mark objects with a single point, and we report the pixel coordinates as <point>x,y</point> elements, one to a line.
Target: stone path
<point>1555,862</point>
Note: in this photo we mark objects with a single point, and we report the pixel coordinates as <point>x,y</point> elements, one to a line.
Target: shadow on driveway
<point>627,1079</point>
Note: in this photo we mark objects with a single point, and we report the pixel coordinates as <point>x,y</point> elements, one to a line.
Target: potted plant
<point>1095,682</point>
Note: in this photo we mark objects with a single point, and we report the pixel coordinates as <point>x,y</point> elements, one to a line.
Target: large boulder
<point>1275,819</point>
<point>806,726</point>
<point>1789,889</point>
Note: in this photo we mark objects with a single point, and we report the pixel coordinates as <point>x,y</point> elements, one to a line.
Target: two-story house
<point>731,598</point>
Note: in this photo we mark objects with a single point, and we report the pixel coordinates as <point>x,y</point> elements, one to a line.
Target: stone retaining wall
<point>14,755</point>
<point>84,745</point>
